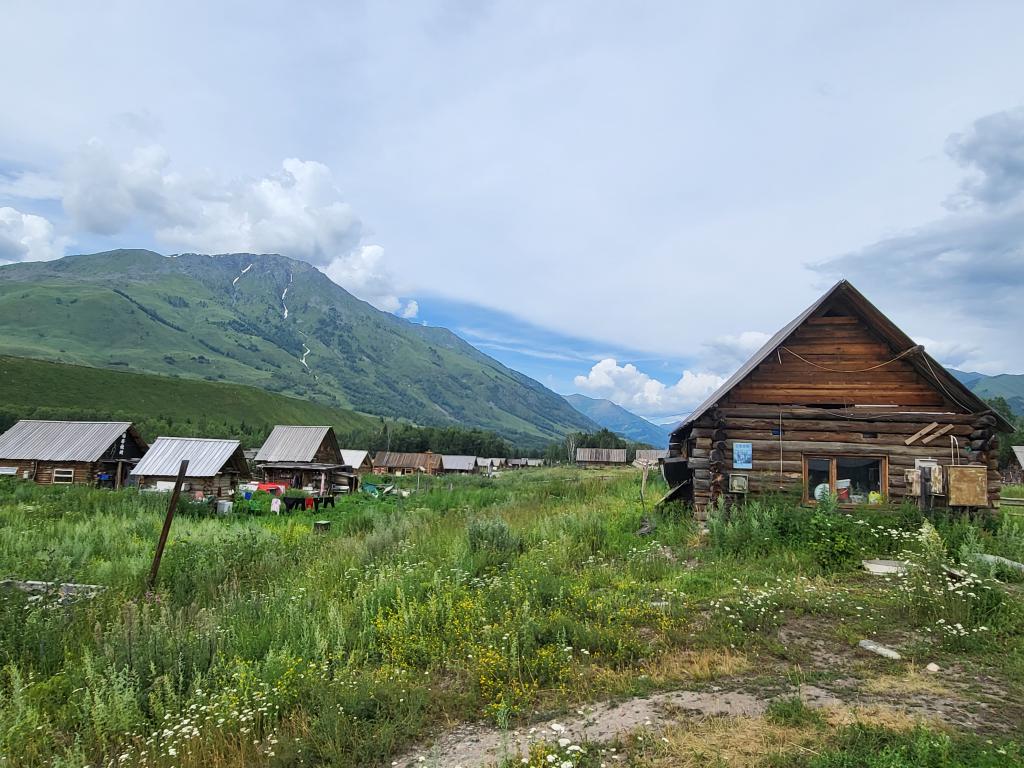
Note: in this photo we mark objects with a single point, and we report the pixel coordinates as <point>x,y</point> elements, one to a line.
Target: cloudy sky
<point>621,199</point>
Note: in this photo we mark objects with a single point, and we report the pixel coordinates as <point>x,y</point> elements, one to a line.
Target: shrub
<point>493,537</point>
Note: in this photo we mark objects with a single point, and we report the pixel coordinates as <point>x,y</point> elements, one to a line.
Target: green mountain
<point>1007,385</point>
<point>271,322</point>
<point>158,404</point>
<point>619,420</point>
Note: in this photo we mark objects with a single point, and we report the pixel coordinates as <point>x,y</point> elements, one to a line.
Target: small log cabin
<point>1014,472</point>
<point>600,457</point>
<point>458,465</point>
<point>215,467</point>
<point>360,461</point>
<point>840,401</point>
<point>650,455</point>
<point>393,463</point>
<point>305,457</point>
<point>99,453</point>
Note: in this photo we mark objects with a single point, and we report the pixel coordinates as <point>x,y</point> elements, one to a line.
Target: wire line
<point>900,356</point>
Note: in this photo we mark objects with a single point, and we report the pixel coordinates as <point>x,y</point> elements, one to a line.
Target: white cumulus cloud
<point>362,272</point>
<point>411,309</point>
<point>27,237</point>
<point>636,391</point>
<point>298,211</point>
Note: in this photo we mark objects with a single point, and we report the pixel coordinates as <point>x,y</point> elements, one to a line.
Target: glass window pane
<point>859,481</point>
<point>817,478</point>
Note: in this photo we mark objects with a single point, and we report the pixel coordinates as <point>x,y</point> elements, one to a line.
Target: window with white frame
<point>63,476</point>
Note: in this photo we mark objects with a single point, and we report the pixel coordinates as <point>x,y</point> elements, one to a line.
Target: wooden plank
<point>895,414</point>
<point>921,432</point>
<point>937,433</point>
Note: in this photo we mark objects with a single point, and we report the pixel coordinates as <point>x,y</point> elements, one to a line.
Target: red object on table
<point>274,488</point>
<point>310,503</point>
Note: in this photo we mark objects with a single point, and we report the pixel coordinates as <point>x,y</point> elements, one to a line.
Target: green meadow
<point>503,604</point>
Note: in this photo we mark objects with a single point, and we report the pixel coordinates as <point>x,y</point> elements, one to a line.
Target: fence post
<point>151,581</point>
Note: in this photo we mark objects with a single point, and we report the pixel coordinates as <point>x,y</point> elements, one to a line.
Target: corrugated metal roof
<point>458,463</point>
<point>602,455</point>
<point>31,440</point>
<point>924,363</point>
<point>650,454</point>
<point>482,462</point>
<point>354,459</point>
<point>206,457</point>
<point>395,460</point>
<point>288,443</point>
<point>1018,451</point>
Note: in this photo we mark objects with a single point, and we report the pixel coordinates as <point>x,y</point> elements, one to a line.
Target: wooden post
<point>151,581</point>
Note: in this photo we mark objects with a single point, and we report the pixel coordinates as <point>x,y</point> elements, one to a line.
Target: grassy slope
<point>186,316</point>
<point>34,386</point>
<point>1006,385</point>
<point>500,599</point>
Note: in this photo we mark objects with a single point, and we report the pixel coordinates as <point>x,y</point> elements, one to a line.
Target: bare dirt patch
<point>679,712</point>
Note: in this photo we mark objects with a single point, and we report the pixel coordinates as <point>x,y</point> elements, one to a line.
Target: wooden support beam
<point>937,433</point>
<point>921,433</point>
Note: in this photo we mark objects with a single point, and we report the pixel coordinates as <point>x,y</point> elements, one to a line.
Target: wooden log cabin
<point>99,453</point>
<point>305,457</point>
<point>395,463</point>
<point>215,467</point>
<point>600,457</point>
<point>839,401</point>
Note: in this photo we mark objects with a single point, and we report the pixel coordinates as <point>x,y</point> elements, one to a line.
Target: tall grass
<point>265,644</point>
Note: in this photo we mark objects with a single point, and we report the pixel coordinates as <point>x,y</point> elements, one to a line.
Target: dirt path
<point>482,746</point>
<point>477,746</point>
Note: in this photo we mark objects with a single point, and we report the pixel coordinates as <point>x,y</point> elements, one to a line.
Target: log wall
<point>778,460</point>
<point>42,471</point>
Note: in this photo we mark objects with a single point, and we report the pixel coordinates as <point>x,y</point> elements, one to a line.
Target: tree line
<point>1006,442</point>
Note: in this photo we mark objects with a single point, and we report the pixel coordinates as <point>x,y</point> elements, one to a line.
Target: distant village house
<point>458,465</point>
<point>98,453</point>
<point>649,456</point>
<point>305,457</point>
<point>1014,472</point>
<point>600,457</point>
<point>360,461</point>
<point>215,467</point>
<point>393,463</point>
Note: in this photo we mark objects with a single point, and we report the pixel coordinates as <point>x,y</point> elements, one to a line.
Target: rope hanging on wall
<point>900,356</point>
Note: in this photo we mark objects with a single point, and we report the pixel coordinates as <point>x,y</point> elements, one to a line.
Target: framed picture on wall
<point>742,456</point>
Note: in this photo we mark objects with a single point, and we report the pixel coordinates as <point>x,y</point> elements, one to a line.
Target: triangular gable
<point>843,293</point>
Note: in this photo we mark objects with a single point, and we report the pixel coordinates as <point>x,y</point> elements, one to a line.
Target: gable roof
<point>354,458</point>
<point>288,443</point>
<point>32,440</point>
<point>397,460</point>
<point>458,463</point>
<point>206,457</point>
<point>1018,451</point>
<point>925,365</point>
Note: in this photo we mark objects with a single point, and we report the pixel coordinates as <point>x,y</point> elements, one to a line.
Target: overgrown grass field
<point>506,600</point>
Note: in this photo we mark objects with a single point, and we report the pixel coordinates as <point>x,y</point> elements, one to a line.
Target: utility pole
<point>151,581</point>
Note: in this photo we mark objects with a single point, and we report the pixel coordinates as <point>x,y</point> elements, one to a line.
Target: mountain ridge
<point>619,420</point>
<point>1009,386</point>
<point>269,321</point>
